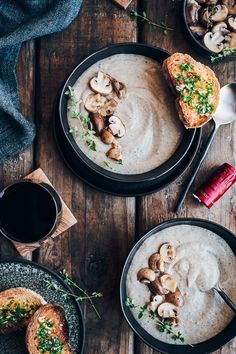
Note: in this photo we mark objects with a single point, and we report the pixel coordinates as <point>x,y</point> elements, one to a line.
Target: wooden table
<point>95,249</point>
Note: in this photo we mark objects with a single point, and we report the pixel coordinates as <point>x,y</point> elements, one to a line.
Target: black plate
<point>114,187</point>
<point>128,48</point>
<point>23,273</point>
<point>198,46</point>
<point>205,347</point>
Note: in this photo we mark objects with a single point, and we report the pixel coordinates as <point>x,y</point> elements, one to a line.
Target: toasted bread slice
<point>17,305</point>
<point>48,328</point>
<point>196,86</point>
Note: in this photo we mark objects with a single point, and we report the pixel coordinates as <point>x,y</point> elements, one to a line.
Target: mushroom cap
<point>192,13</point>
<point>146,275</point>
<point>198,31</point>
<point>168,282</point>
<point>204,16</point>
<point>219,13</point>
<point>115,154</point>
<point>156,263</point>
<point>156,301</point>
<point>214,41</point>
<point>101,83</point>
<point>231,5</point>
<point>232,23</point>
<point>116,126</point>
<point>156,288</point>
<point>108,108</point>
<point>231,40</point>
<point>107,137</point>
<point>220,27</point>
<point>167,252</point>
<point>175,298</point>
<point>97,122</point>
<point>119,88</point>
<point>93,102</point>
<point>167,310</point>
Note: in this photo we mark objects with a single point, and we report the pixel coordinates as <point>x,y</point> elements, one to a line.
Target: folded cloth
<point>21,20</point>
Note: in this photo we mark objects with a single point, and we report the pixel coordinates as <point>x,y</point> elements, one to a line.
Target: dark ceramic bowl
<point>121,188</point>
<point>197,45</point>
<point>201,348</point>
<point>127,48</point>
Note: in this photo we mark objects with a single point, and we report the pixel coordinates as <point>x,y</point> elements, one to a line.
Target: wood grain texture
<point>223,149</point>
<point>21,165</point>
<point>95,249</point>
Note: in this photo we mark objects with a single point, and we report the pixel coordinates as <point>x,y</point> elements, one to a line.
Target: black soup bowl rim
<point>205,51</point>
<point>113,49</point>
<point>56,211</point>
<point>211,344</point>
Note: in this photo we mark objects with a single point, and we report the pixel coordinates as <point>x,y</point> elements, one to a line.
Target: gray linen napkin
<point>20,21</point>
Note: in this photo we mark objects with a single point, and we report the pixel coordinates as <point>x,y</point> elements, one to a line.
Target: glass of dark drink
<point>29,211</point>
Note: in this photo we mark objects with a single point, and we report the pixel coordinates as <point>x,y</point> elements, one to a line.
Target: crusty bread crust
<point>60,328</point>
<point>22,297</point>
<point>190,117</point>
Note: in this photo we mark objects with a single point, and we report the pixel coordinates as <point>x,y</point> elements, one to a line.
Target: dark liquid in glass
<point>27,212</point>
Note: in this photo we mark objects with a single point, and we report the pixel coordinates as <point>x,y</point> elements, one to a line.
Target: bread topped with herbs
<point>48,331</point>
<point>17,306</point>
<point>196,87</point>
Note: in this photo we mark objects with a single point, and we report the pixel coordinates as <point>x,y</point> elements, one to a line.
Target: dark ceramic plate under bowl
<point>128,48</point>
<point>114,187</point>
<point>204,347</point>
<point>22,273</point>
<point>197,45</point>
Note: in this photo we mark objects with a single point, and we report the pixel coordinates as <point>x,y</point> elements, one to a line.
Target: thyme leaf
<point>66,294</point>
<point>225,52</point>
<point>144,18</point>
<point>163,325</point>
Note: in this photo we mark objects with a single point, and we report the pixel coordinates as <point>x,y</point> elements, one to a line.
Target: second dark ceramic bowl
<point>197,45</point>
<point>128,48</point>
<point>205,347</point>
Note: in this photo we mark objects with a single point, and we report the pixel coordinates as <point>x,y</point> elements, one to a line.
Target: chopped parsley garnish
<point>186,67</point>
<point>47,342</point>
<point>108,164</point>
<point>188,84</point>
<point>70,92</point>
<point>14,314</point>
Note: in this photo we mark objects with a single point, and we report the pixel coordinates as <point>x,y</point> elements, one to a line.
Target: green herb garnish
<point>163,325</point>
<point>144,18</point>
<point>120,162</point>
<point>83,294</point>
<point>108,164</point>
<point>225,52</point>
<point>89,138</point>
<point>70,92</point>
<point>186,67</point>
<point>47,342</point>
<point>13,314</point>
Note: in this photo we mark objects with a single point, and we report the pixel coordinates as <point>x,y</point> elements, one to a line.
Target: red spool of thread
<point>217,185</point>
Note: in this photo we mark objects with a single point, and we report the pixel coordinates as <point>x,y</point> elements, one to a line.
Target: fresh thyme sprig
<point>83,294</point>
<point>88,136</point>
<point>144,18</point>
<point>163,325</point>
<point>225,52</point>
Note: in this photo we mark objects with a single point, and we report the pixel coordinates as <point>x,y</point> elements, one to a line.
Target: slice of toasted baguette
<point>188,112</point>
<point>17,305</point>
<point>53,315</point>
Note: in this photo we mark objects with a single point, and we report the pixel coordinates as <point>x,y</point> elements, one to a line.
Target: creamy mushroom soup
<point>152,127</point>
<point>202,260</point>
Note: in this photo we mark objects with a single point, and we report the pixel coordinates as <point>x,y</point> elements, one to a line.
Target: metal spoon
<point>224,296</point>
<point>225,114</point>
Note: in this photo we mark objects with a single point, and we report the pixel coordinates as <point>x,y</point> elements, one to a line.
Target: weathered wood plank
<point>21,165</point>
<point>161,204</point>
<point>95,249</point>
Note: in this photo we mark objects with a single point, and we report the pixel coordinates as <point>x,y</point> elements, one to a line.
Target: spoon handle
<point>196,169</point>
<point>225,297</point>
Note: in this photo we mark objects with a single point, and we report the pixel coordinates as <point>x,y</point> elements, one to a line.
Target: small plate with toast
<point>35,317</point>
